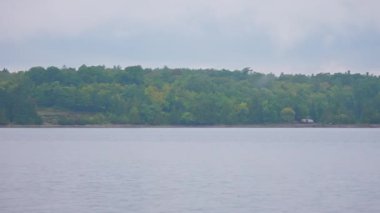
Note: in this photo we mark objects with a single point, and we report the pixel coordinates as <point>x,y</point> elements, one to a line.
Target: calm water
<point>189,170</point>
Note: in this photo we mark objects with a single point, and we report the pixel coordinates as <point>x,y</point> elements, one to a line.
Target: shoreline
<point>197,126</point>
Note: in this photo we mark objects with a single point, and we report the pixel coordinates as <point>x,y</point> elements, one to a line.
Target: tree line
<point>164,96</point>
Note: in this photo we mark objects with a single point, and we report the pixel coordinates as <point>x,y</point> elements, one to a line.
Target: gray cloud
<point>272,35</point>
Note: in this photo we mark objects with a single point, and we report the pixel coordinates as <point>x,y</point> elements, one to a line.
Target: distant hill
<point>164,96</point>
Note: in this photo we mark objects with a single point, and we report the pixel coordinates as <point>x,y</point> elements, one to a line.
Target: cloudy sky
<point>291,36</point>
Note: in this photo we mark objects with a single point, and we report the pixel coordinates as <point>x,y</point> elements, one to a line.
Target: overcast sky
<point>291,36</point>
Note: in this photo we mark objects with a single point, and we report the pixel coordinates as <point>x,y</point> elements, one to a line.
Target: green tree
<point>288,114</point>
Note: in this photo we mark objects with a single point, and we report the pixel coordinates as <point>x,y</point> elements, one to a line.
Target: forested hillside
<point>134,95</point>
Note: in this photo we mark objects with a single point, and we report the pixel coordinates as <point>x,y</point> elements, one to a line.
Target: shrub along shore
<point>253,126</point>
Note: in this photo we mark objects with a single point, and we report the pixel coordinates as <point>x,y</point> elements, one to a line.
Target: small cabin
<point>307,121</point>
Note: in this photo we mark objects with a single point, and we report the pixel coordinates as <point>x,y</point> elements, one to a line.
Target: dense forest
<point>164,96</point>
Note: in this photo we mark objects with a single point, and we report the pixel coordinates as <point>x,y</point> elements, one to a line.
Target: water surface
<point>190,170</point>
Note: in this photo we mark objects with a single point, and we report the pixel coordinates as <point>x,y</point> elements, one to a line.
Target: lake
<point>180,170</point>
